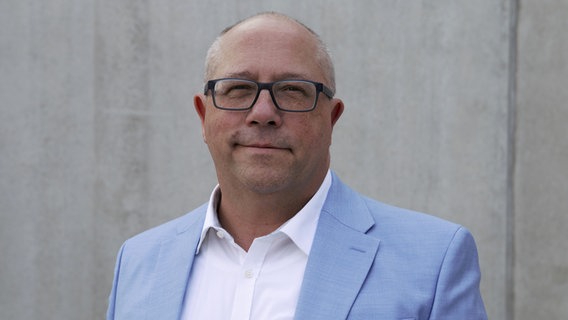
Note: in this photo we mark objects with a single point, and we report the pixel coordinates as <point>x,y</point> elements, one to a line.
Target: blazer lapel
<point>170,279</point>
<point>340,258</point>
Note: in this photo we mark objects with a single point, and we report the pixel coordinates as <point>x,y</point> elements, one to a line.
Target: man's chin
<point>266,181</point>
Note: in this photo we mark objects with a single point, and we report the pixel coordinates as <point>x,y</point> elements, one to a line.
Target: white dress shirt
<point>227,282</point>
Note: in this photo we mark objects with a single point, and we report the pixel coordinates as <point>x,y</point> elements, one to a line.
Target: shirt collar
<point>211,219</point>
<point>301,228</point>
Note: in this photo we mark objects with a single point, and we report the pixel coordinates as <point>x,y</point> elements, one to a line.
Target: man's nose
<point>264,111</point>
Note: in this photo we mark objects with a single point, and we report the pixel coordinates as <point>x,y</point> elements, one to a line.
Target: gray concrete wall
<point>540,267</point>
<point>456,108</point>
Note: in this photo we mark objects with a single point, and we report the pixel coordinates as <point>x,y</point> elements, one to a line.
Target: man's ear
<point>336,111</point>
<point>200,108</point>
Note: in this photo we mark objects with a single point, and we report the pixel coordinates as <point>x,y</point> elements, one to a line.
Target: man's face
<point>263,149</point>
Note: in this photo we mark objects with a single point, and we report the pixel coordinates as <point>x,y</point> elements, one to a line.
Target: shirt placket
<point>248,275</point>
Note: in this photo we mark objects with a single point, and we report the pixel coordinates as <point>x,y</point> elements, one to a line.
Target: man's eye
<point>241,87</point>
<point>237,89</point>
<point>292,88</point>
<point>295,90</point>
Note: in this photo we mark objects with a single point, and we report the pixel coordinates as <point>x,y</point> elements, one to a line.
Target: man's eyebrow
<point>292,75</point>
<point>240,74</point>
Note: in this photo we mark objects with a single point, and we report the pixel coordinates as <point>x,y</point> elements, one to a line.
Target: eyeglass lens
<point>289,95</point>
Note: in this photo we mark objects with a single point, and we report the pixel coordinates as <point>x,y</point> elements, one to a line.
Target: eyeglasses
<point>287,95</point>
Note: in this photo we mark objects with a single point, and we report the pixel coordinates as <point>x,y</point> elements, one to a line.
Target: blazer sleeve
<point>457,291</point>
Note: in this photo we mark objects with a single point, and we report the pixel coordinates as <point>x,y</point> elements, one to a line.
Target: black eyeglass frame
<point>320,87</point>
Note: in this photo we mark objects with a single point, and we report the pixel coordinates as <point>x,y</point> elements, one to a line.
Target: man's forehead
<point>276,63</point>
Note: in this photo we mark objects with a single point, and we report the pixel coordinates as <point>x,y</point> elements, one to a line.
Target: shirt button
<point>249,274</point>
<point>220,234</point>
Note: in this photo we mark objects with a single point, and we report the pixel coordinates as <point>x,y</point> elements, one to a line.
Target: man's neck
<point>247,216</point>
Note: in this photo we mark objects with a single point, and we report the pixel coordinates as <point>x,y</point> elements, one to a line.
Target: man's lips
<point>262,146</point>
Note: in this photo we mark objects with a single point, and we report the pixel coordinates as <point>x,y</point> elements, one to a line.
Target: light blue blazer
<point>368,261</point>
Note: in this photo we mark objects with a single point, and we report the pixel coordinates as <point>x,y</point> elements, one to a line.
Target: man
<point>282,237</point>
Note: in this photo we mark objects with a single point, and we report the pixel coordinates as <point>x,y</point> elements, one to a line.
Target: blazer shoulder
<point>418,236</point>
<point>407,219</point>
<point>372,216</point>
<point>154,236</point>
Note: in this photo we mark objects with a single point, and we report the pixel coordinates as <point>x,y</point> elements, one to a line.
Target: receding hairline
<point>323,55</point>
<point>269,14</point>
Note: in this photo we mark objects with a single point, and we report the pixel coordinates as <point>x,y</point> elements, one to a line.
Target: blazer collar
<point>174,261</point>
<point>347,206</point>
<point>341,256</point>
